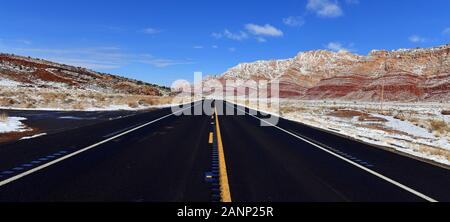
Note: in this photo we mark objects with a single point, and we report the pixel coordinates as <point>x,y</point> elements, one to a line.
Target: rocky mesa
<point>29,72</point>
<point>406,75</point>
<point>35,83</point>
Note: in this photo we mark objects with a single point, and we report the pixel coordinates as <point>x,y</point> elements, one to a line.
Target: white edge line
<point>398,184</point>
<point>26,173</point>
<point>33,136</point>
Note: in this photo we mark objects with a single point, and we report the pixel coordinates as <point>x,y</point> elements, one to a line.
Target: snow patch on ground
<point>405,126</point>
<point>12,124</point>
<point>8,83</point>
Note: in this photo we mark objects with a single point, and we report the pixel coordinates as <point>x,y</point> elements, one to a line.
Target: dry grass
<point>78,106</point>
<point>439,126</point>
<point>348,114</point>
<point>382,128</point>
<point>292,109</point>
<point>133,104</point>
<point>400,116</point>
<point>151,100</point>
<point>3,117</point>
<point>371,119</point>
<point>74,99</point>
<point>435,151</point>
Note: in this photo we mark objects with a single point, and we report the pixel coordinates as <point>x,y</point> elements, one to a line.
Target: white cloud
<point>294,21</point>
<point>217,35</point>
<point>87,63</point>
<point>215,46</point>
<point>16,41</point>
<point>446,31</point>
<point>339,47</point>
<point>198,47</point>
<point>162,63</point>
<point>261,39</point>
<point>232,49</point>
<point>98,57</point>
<point>417,39</point>
<point>335,46</point>
<point>24,41</point>
<point>267,30</point>
<point>256,31</point>
<point>325,8</point>
<point>238,36</point>
<point>151,31</point>
<point>92,58</point>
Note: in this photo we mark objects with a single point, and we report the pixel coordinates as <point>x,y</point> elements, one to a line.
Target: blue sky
<point>162,41</point>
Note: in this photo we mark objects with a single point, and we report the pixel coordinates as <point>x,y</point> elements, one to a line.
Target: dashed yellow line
<point>211,138</point>
<point>224,185</point>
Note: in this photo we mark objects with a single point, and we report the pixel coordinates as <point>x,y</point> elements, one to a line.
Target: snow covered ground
<point>8,83</point>
<point>417,129</point>
<point>12,124</point>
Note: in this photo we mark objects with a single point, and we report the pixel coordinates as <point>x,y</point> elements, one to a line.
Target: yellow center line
<point>224,185</point>
<point>211,138</point>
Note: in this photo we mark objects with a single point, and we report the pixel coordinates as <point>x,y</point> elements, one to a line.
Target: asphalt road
<point>57,121</point>
<point>160,157</point>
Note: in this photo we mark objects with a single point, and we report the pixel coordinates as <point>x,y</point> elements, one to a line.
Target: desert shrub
<point>400,116</point>
<point>12,102</point>
<point>436,152</point>
<point>101,99</point>
<point>151,101</point>
<point>133,104</point>
<point>348,113</point>
<point>291,109</point>
<point>3,101</point>
<point>30,105</point>
<point>147,101</point>
<point>445,112</point>
<point>68,101</point>
<point>439,126</point>
<point>78,106</point>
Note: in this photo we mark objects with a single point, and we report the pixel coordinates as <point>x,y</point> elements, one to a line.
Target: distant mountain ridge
<point>405,75</point>
<point>29,72</point>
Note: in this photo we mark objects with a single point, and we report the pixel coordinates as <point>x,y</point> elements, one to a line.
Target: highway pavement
<point>160,156</point>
